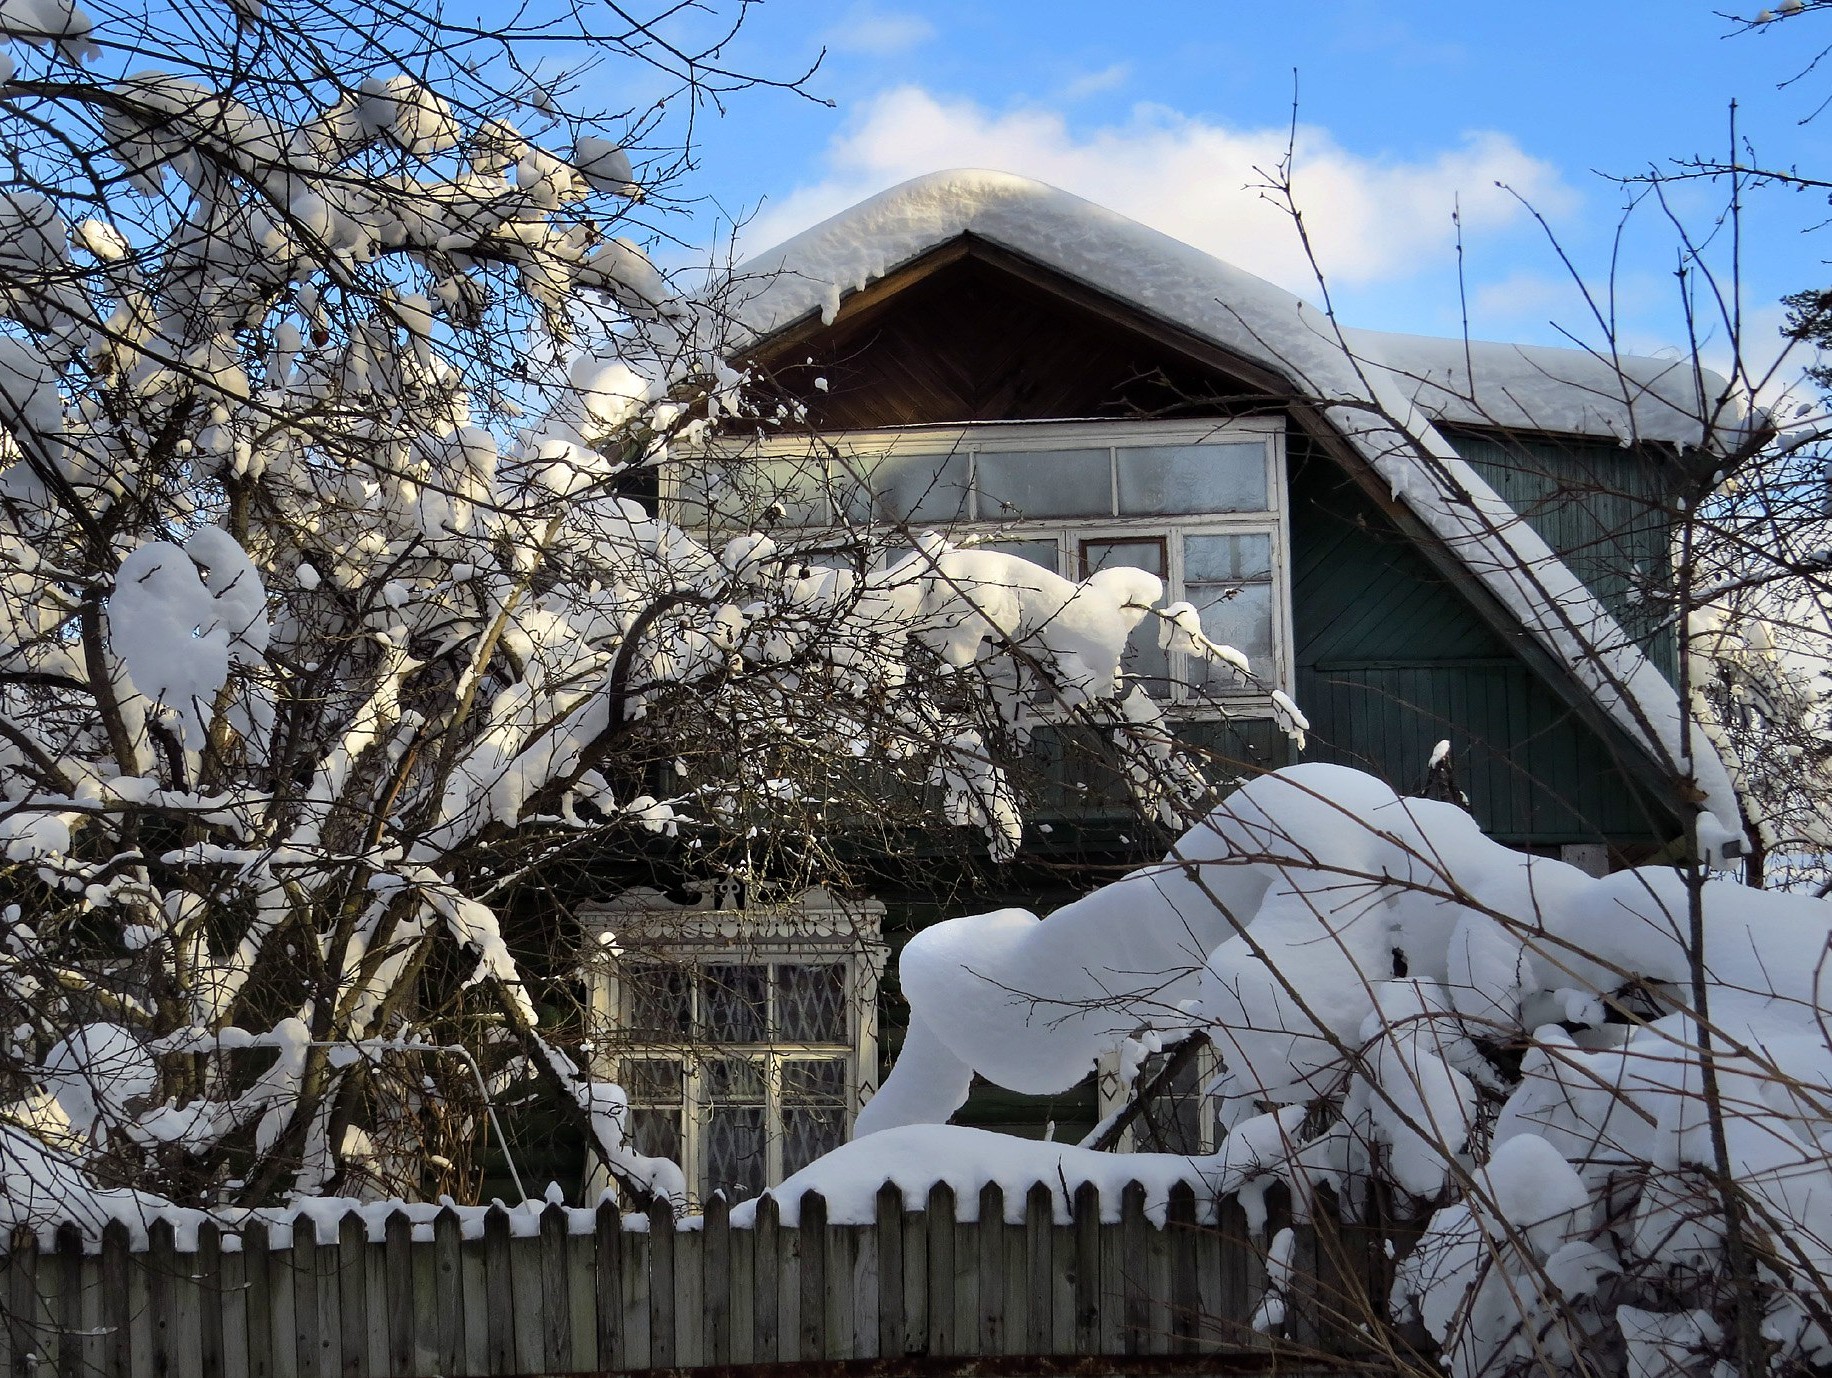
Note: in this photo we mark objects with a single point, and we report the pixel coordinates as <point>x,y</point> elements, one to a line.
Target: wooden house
<point>1421,541</point>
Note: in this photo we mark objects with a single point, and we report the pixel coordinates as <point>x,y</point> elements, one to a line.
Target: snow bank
<point>1370,967</point>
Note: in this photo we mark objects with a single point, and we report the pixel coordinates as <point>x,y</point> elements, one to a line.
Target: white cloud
<point>1094,83</point>
<point>1369,219</point>
<point>879,33</point>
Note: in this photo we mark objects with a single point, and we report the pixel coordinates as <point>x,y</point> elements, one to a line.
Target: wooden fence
<point>422,1301</point>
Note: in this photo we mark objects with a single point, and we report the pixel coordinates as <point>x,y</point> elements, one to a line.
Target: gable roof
<point>1384,395</point>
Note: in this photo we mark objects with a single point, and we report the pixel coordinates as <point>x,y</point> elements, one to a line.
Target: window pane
<point>814,1081</point>
<point>1044,483</point>
<point>742,493</point>
<point>1156,479</point>
<point>1215,559</point>
<point>656,1133</point>
<point>809,1132</point>
<point>735,1162</point>
<point>1142,658</point>
<point>1043,553</point>
<point>920,488</point>
<point>733,1079</point>
<point>811,1003</point>
<point>657,1000</point>
<point>1237,615</point>
<point>652,1080</point>
<point>733,996</point>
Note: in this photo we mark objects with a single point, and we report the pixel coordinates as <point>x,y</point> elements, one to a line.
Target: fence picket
<point>716,1263</point>
<point>499,1288</point>
<point>890,1271</point>
<point>766,1270</point>
<point>620,1297</point>
<point>117,1313</point>
<point>941,1222</point>
<point>811,1231</point>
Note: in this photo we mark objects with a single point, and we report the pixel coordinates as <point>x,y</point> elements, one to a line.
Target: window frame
<point>643,928</point>
<point>834,449</point>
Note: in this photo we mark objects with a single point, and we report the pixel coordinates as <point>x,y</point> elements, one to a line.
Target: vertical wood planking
<point>915,1282</point>
<point>556,1291</point>
<point>448,1309</point>
<point>330,1309</point>
<point>636,1299</point>
<point>842,1321</point>
<point>1180,1245</point>
<point>989,1263</point>
<point>1087,1269</point>
<point>743,1295</point>
<point>1040,1267</point>
<point>889,1230</point>
<point>943,1338</point>
<point>767,1236</point>
<point>283,1328</point>
<point>689,1300</point>
<point>811,1235</point>
<point>257,1301</point>
<point>117,1314</point>
<point>398,1287</point>
<point>161,1290</point>
<point>353,1296</point>
<point>499,1287</point>
<point>607,1283</point>
<point>716,1271</point>
<point>525,1295</point>
<point>661,1284</point>
<point>1135,1278</point>
<point>208,1269</point>
<point>581,1248</point>
<point>71,1359</point>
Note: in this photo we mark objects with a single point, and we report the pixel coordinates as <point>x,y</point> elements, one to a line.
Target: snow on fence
<point>645,1293</point>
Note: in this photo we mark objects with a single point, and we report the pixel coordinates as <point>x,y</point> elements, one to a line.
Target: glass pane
<point>657,1000</point>
<point>808,1132</point>
<point>652,1080</point>
<point>1044,483</point>
<point>1220,558</point>
<point>1156,479</point>
<point>811,1003</point>
<point>744,493</point>
<point>814,1081</point>
<point>735,1162</point>
<point>1147,555</point>
<point>920,488</point>
<point>733,1079</point>
<point>1143,658</point>
<point>1172,1119</point>
<point>1044,553</point>
<point>1237,615</point>
<point>656,1133</point>
<point>733,1008</point>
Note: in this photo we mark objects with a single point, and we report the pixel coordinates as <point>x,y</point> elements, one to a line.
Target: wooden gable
<point>972,332</point>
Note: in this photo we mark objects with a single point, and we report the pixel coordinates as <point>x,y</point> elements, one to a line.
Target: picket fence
<point>920,1287</point>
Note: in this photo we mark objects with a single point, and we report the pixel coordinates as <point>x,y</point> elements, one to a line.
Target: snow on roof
<point>1385,393</point>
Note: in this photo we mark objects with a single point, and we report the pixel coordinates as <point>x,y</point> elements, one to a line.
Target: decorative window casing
<point>1200,504</point>
<point>746,1037</point>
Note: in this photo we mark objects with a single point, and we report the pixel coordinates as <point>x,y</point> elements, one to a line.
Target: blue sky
<point>1163,109</point>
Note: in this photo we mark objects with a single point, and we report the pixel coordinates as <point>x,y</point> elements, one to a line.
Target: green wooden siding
<point>1391,659</point>
<point>1602,507</point>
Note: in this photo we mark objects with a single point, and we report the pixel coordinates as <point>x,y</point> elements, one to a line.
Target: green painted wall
<point>1391,659</point>
<point>1602,508</point>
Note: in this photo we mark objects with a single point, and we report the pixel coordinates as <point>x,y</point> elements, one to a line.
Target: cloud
<point>1370,219</point>
<point>1094,83</point>
<point>878,33</point>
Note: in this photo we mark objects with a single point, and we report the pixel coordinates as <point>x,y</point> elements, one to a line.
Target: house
<point>1420,541</point>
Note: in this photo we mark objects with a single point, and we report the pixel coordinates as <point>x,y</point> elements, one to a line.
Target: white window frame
<point>1020,437</point>
<point>643,927</point>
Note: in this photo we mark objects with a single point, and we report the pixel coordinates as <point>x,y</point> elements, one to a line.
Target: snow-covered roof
<point>1384,393</point>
